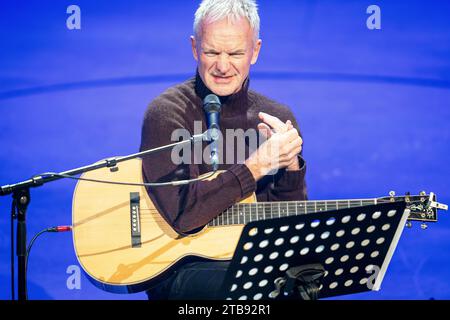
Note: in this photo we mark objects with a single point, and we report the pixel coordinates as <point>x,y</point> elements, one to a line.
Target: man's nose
<point>223,64</point>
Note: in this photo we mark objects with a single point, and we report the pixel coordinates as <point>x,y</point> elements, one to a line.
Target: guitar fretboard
<point>243,213</point>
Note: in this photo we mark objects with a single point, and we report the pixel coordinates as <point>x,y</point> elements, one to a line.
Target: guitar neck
<point>242,213</point>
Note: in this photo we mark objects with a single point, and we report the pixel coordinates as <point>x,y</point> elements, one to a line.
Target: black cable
<point>28,254</point>
<point>26,258</point>
<point>148,184</point>
<point>53,229</point>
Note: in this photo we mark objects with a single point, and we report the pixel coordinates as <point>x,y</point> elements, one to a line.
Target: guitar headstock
<point>423,207</point>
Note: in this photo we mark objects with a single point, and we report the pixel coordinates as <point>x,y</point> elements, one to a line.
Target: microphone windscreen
<point>211,103</point>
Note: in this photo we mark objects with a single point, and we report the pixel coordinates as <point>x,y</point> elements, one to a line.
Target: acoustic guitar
<point>125,245</point>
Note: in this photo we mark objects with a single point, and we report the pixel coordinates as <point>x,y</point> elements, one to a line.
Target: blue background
<point>373,107</point>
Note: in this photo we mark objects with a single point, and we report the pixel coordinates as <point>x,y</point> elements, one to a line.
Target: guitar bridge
<point>135,220</point>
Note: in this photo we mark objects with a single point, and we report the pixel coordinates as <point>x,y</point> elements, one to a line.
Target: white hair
<point>215,10</point>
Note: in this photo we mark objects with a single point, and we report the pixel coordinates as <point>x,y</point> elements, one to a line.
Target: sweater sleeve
<point>288,185</point>
<point>190,206</point>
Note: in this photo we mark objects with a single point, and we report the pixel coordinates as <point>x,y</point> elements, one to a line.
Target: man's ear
<point>256,50</point>
<point>194,48</point>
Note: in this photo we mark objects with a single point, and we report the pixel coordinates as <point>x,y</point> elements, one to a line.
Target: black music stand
<point>318,255</point>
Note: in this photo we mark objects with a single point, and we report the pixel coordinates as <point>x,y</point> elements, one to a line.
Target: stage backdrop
<point>373,107</point>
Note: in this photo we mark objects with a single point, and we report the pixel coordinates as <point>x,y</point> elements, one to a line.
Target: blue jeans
<point>192,281</point>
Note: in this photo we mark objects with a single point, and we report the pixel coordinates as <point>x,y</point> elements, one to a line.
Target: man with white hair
<point>225,44</point>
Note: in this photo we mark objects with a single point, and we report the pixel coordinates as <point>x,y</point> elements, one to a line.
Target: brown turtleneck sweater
<point>192,206</point>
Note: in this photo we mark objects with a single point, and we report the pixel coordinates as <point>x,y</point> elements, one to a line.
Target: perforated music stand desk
<point>353,245</point>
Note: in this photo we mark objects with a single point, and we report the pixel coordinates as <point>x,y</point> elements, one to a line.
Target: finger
<point>293,153</point>
<point>272,121</point>
<point>289,158</point>
<point>261,116</point>
<point>289,125</point>
<point>291,134</point>
<point>265,130</point>
<point>298,142</point>
<point>286,142</point>
<point>294,147</point>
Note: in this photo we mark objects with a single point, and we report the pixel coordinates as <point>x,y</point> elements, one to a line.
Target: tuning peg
<point>392,196</point>
<point>409,224</point>
<point>407,195</point>
<point>424,226</point>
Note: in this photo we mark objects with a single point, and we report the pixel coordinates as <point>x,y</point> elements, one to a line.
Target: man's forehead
<point>226,45</point>
<point>225,39</point>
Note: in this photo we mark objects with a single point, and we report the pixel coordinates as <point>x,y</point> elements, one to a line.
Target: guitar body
<point>117,260</point>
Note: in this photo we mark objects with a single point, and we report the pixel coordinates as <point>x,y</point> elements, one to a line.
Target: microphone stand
<point>21,198</point>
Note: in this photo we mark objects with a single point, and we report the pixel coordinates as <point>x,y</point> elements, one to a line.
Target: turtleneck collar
<point>239,98</point>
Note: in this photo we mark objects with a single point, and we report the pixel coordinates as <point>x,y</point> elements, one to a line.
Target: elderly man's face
<point>224,54</point>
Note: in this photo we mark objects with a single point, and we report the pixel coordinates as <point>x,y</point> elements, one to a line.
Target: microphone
<point>212,106</point>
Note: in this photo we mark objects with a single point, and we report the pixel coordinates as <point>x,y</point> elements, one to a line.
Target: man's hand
<point>279,151</point>
<point>272,124</point>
